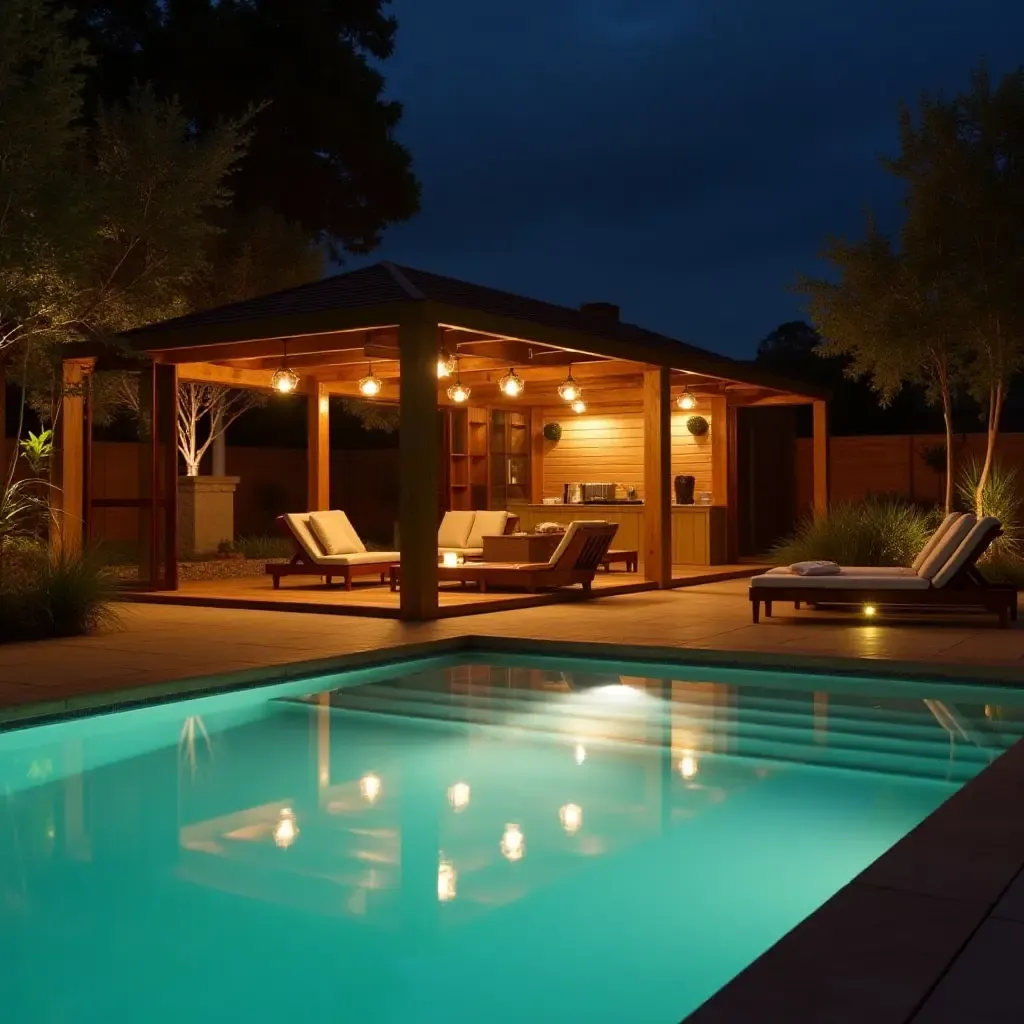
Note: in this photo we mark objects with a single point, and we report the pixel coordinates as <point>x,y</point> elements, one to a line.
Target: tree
<point>205,411</point>
<point>891,315</point>
<point>962,162</point>
<point>323,155</point>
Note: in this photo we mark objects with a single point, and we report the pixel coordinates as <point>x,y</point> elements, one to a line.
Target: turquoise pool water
<point>457,841</point>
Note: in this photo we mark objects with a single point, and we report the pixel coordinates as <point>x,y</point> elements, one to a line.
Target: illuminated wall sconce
<point>370,787</point>
<point>513,843</point>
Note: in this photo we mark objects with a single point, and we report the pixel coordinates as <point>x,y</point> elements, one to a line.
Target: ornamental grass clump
<point>876,531</point>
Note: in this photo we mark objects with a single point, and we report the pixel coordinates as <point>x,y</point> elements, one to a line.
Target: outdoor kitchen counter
<point>698,531</point>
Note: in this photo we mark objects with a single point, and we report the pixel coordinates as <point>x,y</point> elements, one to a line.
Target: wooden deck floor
<point>306,594</point>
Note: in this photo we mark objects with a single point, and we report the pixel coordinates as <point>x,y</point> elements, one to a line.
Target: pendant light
<point>569,389</point>
<point>445,364</point>
<point>458,392</point>
<point>511,385</point>
<point>687,400</point>
<point>370,385</point>
<point>284,380</point>
<point>578,405</point>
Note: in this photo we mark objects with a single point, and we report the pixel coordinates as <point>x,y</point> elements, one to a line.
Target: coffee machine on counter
<point>600,494</point>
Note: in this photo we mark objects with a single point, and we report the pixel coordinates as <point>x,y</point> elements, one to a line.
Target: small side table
<point>521,547</point>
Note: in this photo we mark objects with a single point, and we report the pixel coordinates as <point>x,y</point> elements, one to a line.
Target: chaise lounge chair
<point>945,577</point>
<point>575,560</point>
<point>326,545</point>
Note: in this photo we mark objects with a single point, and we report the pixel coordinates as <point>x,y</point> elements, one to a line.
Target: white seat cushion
<point>934,539</point>
<point>360,558</point>
<point>465,552</point>
<point>486,524</point>
<point>455,529</point>
<point>946,547</point>
<point>966,552</point>
<point>783,579</point>
<point>335,533</point>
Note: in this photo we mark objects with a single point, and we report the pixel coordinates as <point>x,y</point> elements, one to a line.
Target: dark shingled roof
<point>384,283</point>
<point>388,283</point>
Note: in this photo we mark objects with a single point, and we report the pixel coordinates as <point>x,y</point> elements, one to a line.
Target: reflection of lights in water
<point>286,831</point>
<point>579,753</point>
<point>688,764</point>
<point>571,817</point>
<point>458,796</point>
<point>446,876</point>
<point>513,844</point>
<point>618,693</point>
<point>370,786</point>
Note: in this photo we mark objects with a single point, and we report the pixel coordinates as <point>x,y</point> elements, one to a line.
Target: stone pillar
<point>206,513</point>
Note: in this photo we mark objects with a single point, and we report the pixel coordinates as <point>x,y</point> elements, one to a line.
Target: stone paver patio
<point>155,645</point>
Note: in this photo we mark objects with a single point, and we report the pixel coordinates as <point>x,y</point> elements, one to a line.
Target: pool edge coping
<point>82,704</point>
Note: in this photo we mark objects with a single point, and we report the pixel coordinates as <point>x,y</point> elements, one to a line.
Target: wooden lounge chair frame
<point>577,563</point>
<point>968,589</point>
<point>302,565</point>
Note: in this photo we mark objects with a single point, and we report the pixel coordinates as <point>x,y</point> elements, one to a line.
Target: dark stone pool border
<point>894,946</point>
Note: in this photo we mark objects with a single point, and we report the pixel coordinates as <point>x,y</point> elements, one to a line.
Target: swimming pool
<point>458,839</point>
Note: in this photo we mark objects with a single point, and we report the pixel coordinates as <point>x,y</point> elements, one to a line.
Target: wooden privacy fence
<point>895,464</point>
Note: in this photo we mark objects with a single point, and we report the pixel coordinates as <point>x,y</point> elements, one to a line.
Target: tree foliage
<point>323,155</point>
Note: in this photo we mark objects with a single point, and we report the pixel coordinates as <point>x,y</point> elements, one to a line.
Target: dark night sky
<point>684,158</point>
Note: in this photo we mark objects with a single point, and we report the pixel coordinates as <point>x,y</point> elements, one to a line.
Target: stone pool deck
<point>931,933</point>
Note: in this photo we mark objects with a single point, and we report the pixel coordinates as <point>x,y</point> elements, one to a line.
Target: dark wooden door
<point>766,485</point>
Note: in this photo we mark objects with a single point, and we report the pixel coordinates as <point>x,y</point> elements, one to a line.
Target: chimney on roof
<point>601,314</point>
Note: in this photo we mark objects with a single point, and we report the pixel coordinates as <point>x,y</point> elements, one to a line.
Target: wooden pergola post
<point>158,477</point>
<point>725,470</point>
<point>66,499</point>
<point>657,477</point>
<point>318,448</point>
<point>418,455</point>
<point>819,444</point>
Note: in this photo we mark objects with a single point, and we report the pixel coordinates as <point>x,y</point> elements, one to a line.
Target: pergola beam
<point>230,376</point>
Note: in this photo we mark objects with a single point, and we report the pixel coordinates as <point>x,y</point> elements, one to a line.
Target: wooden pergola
<point>398,321</point>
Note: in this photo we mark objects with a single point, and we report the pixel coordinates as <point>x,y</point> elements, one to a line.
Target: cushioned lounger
<point>946,576</point>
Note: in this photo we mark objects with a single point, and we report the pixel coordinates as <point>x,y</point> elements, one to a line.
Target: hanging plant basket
<point>553,431</point>
<point>697,425</point>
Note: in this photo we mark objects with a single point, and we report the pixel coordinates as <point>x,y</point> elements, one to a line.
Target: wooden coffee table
<point>521,547</point>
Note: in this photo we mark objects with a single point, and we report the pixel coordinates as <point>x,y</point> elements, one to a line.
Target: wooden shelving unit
<point>510,457</point>
<point>468,458</point>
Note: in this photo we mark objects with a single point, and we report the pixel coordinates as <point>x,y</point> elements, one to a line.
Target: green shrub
<point>54,595</point>
<point>1007,570</point>
<point>265,547</point>
<point>870,532</point>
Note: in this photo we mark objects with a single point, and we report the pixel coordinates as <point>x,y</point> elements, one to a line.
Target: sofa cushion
<point>335,533</point>
<point>486,524</point>
<point>946,547</point>
<point>455,529</point>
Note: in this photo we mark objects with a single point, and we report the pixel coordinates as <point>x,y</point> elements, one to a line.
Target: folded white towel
<point>820,568</point>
